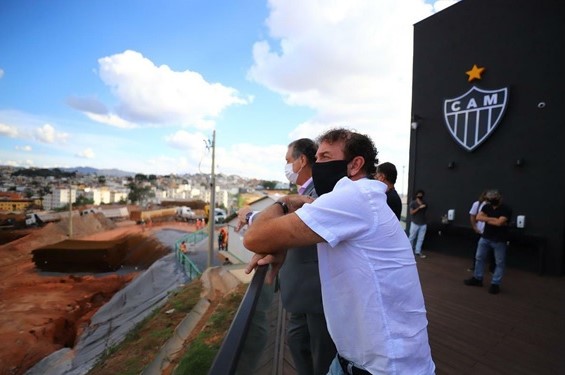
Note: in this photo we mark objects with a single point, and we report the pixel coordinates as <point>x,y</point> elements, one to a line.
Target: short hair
<point>354,144</point>
<point>493,194</point>
<point>306,147</point>
<point>389,170</point>
<point>419,191</point>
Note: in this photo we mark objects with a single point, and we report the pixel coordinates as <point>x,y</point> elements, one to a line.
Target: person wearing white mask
<point>308,338</point>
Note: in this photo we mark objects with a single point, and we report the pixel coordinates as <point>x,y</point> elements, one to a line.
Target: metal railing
<point>248,331</point>
<point>182,247</point>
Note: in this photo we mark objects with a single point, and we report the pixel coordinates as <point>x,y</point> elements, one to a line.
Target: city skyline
<point>140,87</point>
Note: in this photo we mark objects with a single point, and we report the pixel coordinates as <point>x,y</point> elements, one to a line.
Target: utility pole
<point>70,210</point>
<point>211,213</point>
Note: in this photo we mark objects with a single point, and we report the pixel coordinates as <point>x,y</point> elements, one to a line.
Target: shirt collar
<point>304,186</point>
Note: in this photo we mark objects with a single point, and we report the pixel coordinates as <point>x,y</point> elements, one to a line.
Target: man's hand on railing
<point>275,260</point>
<point>242,218</point>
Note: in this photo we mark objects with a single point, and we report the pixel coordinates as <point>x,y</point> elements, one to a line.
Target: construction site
<point>51,285</point>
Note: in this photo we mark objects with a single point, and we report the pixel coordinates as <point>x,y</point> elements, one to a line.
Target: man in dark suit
<point>308,338</point>
<point>309,341</point>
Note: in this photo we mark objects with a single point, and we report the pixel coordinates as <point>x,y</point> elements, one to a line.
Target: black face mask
<point>494,201</point>
<point>326,175</point>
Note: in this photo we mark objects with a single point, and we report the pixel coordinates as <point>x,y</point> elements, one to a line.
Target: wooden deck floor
<point>519,331</point>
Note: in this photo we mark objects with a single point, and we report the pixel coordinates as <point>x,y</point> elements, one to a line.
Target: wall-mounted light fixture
<point>415,122</point>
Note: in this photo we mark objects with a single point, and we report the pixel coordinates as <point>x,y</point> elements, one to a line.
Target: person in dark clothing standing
<point>386,173</point>
<point>496,216</point>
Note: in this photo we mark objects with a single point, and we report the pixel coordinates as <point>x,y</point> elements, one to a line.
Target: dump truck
<point>110,213</point>
<point>185,213</point>
<point>41,218</point>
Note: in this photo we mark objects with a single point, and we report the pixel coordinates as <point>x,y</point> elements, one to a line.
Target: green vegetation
<point>82,200</point>
<point>202,351</point>
<point>139,192</point>
<point>269,185</point>
<point>143,343</point>
<point>43,172</point>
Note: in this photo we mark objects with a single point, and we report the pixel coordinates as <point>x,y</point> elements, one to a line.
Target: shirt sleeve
<point>474,208</point>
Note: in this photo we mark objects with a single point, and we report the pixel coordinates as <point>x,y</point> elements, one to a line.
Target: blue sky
<point>139,85</point>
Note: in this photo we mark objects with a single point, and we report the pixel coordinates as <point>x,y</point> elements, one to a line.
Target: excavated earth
<point>43,312</point>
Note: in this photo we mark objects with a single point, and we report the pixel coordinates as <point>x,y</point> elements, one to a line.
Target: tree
<point>269,185</point>
<point>45,190</point>
<point>28,193</point>
<point>139,177</point>
<point>138,193</point>
<point>82,200</point>
<point>102,180</point>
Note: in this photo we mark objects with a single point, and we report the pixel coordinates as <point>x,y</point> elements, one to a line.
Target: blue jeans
<point>483,248</point>
<point>335,368</point>
<point>417,234</point>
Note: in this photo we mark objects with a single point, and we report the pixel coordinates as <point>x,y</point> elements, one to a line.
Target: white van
<point>219,215</point>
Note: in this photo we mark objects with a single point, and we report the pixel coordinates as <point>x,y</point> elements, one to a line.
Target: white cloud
<point>190,142</point>
<point>1,72</point>
<point>442,4</point>
<point>8,131</point>
<point>87,153</point>
<point>248,160</point>
<point>26,148</point>
<point>349,60</point>
<point>158,95</point>
<point>10,163</point>
<point>48,134</point>
<point>111,119</point>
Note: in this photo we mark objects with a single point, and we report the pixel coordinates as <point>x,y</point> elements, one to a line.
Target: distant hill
<point>69,172</point>
<point>43,172</point>
<point>100,172</point>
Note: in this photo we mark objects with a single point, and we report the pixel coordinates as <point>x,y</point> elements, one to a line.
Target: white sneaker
<point>422,256</point>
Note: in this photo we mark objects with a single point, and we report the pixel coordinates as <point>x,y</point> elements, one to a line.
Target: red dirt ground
<point>41,314</point>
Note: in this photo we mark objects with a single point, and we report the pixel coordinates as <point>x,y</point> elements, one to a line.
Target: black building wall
<point>521,46</point>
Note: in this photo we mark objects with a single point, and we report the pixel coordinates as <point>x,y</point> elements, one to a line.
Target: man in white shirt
<point>371,292</point>
<point>477,226</point>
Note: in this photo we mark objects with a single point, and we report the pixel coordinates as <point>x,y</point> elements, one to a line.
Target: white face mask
<point>290,173</point>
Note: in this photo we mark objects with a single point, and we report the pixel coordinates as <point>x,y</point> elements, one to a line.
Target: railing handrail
<point>190,268</point>
<point>227,358</point>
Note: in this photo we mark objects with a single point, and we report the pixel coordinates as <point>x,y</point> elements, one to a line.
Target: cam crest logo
<point>472,117</point>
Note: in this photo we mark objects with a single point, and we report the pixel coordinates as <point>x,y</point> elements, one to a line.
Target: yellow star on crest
<point>474,73</point>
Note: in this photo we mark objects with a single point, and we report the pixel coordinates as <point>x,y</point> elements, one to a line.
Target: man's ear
<point>303,161</point>
<point>356,166</point>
